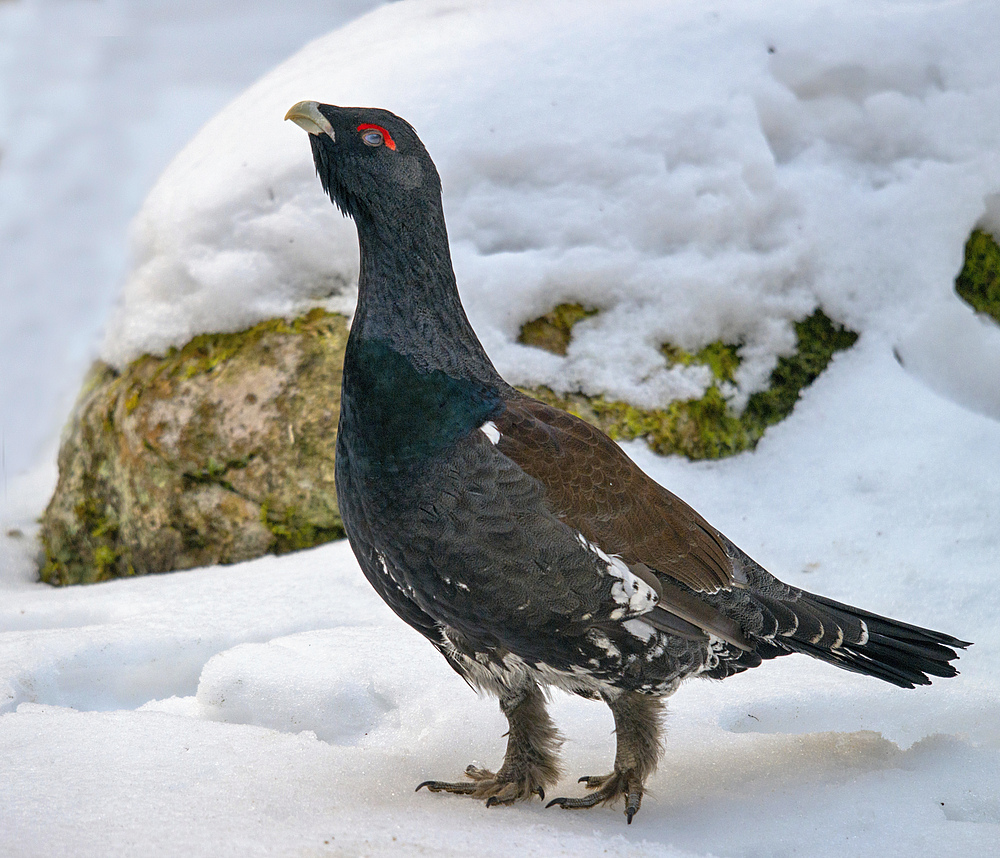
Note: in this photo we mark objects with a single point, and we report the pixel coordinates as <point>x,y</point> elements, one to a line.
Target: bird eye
<point>375,136</point>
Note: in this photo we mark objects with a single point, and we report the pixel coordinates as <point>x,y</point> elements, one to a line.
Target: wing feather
<point>596,489</point>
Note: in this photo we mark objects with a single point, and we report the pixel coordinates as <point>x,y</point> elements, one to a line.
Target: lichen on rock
<point>978,283</point>
<point>218,452</point>
<point>706,427</point>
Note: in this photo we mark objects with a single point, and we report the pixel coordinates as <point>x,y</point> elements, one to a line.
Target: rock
<point>224,450</point>
<point>707,427</point>
<point>219,452</point>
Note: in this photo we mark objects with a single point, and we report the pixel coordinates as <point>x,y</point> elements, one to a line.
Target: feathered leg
<point>530,763</point>
<point>638,722</point>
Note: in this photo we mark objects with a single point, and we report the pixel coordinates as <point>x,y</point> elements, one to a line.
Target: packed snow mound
<point>340,683</point>
<point>696,174</point>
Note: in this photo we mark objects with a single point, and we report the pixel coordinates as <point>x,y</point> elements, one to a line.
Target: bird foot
<point>484,784</point>
<point>607,788</point>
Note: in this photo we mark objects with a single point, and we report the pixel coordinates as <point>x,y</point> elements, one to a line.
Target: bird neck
<point>408,298</point>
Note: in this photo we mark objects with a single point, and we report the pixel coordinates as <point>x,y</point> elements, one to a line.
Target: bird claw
<point>572,803</point>
<point>445,786</point>
<point>487,785</point>
<point>632,802</point>
<point>607,788</point>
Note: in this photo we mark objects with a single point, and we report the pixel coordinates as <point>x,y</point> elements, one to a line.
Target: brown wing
<point>595,488</point>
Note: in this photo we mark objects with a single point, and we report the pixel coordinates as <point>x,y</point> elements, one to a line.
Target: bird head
<point>371,162</point>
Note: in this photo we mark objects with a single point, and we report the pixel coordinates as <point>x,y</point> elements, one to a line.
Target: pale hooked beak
<point>306,115</point>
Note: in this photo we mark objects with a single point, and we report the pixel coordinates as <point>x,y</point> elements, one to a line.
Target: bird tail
<point>858,640</point>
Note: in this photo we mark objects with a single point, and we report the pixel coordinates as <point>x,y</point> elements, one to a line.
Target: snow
<point>95,98</point>
<point>655,160</point>
<point>764,162</point>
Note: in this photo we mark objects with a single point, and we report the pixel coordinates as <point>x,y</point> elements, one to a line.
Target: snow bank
<point>696,174</point>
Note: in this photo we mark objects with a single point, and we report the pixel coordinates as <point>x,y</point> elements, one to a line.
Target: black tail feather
<point>863,642</point>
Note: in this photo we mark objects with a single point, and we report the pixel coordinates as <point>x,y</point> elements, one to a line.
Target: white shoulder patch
<point>489,429</point>
<point>633,594</point>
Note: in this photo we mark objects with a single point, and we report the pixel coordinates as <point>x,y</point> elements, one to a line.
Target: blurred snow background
<point>695,169</point>
<point>95,99</point>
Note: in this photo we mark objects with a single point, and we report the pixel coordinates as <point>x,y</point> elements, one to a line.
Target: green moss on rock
<point>294,530</point>
<point>221,451</point>
<point>553,331</point>
<point>721,358</point>
<point>978,282</point>
<point>707,428</point>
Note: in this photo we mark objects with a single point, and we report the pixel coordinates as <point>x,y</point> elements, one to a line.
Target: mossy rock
<point>219,452</point>
<point>554,330</point>
<point>224,450</point>
<point>707,427</point>
<point>978,282</point>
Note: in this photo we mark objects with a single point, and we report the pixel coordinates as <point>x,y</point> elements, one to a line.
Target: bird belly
<point>498,674</point>
<point>605,674</point>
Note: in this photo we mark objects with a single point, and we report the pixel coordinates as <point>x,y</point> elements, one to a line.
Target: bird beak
<point>306,115</point>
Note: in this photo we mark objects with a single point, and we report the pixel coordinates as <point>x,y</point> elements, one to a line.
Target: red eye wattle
<point>386,136</point>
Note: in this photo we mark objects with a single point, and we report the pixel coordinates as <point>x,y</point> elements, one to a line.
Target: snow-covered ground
<point>696,170</point>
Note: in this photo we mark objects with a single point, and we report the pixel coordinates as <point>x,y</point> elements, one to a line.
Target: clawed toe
<point>507,794</point>
<point>606,789</point>
<point>445,786</point>
<point>478,774</point>
<point>511,792</point>
<point>484,784</point>
<point>632,802</point>
<point>568,803</point>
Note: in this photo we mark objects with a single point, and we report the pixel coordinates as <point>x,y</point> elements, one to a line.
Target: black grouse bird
<point>521,541</point>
